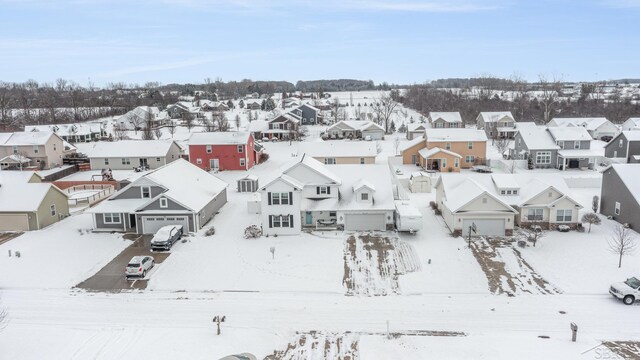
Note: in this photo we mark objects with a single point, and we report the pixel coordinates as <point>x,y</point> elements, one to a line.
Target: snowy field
<point>298,305</point>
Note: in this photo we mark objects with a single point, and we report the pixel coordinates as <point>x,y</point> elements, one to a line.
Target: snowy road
<point>110,325</point>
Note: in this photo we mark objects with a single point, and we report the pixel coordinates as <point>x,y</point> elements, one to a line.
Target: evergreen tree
<point>241,104</point>
<point>230,104</point>
<point>269,104</point>
<point>392,127</point>
<point>263,105</point>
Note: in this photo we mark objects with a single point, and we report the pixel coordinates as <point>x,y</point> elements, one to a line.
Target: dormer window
<point>164,203</point>
<point>322,190</point>
<point>145,192</point>
<point>364,196</point>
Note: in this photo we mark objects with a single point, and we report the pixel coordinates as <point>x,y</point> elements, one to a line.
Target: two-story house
<point>178,193</point>
<point>533,141</point>
<point>620,196</point>
<point>632,123</point>
<point>574,147</point>
<point>439,120</point>
<point>309,195</point>
<point>497,124</point>
<point>182,109</point>
<point>140,117</point>
<point>308,114</point>
<point>283,127</point>
<point>222,150</point>
<point>625,146</point>
<point>447,149</point>
<point>415,130</point>
<point>73,133</point>
<point>130,154</point>
<point>597,127</point>
<point>42,149</point>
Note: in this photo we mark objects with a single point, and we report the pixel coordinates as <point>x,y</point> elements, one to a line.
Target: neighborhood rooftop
<point>338,149</point>
<point>455,134</point>
<point>451,117</point>
<point>219,138</point>
<point>126,148</point>
<point>25,138</point>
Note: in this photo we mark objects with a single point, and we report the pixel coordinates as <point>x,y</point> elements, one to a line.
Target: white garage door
<point>153,223</point>
<point>361,222</point>
<point>484,226</point>
<point>14,222</point>
<point>375,135</point>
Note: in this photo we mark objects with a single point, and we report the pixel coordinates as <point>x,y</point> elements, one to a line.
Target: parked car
<point>138,266</point>
<point>628,291</point>
<point>606,138</point>
<point>166,236</point>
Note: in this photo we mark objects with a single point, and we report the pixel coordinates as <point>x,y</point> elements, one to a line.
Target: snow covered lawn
<point>58,256</point>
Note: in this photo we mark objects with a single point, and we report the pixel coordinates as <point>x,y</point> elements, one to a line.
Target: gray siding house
<point>179,193</point>
<point>308,114</point>
<point>624,146</point>
<point>620,196</point>
<point>535,142</point>
<point>130,154</point>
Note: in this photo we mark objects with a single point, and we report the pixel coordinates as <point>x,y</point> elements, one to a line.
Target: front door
<point>143,162</point>
<point>214,164</point>
<point>308,218</point>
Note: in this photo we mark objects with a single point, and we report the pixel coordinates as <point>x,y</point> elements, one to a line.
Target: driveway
<point>5,237</point>
<point>111,277</point>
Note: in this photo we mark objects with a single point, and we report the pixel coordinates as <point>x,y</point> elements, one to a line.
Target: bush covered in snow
<point>210,231</point>
<point>252,232</point>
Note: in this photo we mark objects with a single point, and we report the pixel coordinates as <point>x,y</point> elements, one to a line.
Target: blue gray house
<point>308,114</point>
<point>620,196</point>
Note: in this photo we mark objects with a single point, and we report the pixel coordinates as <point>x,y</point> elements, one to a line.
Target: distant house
<point>41,149</point>
<point>283,127</point>
<point>575,147</point>
<point>178,193</point>
<point>620,196</point>
<point>597,127</point>
<point>222,150</point>
<point>338,152</point>
<point>182,109</point>
<point>253,104</point>
<point>446,149</point>
<point>309,115</point>
<point>73,133</point>
<point>131,154</point>
<point>633,123</point>
<point>355,129</point>
<point>493,204</point>
<point>624,146</point>
<point>310,195</point>
<point>257,128</point>
<point>26,203</point>
<point>445,120</point>
<point>497,125</point>
<point>415,130</point>
<point>138,118</point>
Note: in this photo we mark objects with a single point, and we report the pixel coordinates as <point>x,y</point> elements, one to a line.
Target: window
<point>447,146</point>
<point>519,141</point>
<point>576,145</point>
<point>444,163</point>
<point>364,196</point>
<point>469,159</point>
<point>617,209</point>
<point>456,162</point>
<point>106,161</point>
<point>543,157</point>
<point>276,221</point>
<point>620,143</point>
<point>322,190</point>
<point>329,161</point>
<point>242,162</point>
<point>145,191</point>
<point>332,214</point>
<point>535,214</point>
<point>35,149</point>
<point>439,125</point>
<point>126,161</point>
<point>275,198</point>
<point>164,203</point>
<point>515,192</point>
<point>288,126</point>
<point>361,161</point>
<point>470,145</point>
<point>198,161</point>
<point>240,148</point>
<point>284,199</point>
<point>560,144</point>
<point>53,210</point>
<point>564,215</point>
<point>508,192</point>
<point>284,221</point>
<point>158,159</point>
<point>502,192</point>
<point>209,149</point>
<point>111,218</point>
<point>15,149</point>
<point>484,200</point>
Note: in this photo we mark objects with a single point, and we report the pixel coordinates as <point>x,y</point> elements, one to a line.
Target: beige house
<point>130,154</point>
<point>447,149</point>
<point>340,152</point>
<point>28,203</point>
<point>497,124</point>
<point>42,149</point>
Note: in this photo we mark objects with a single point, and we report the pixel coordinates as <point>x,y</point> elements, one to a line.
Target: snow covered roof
<point>219,138</point>
<point>338,149</point>
<point>362,183</point>
<point>377,176</point>
<point>412,143</point>
<point>26,138</point>
<point>450,117</point>
<point>579,153</point>
<point>455,134</point>
<point>505,181</point>
<point>15,158</point>
<point>569,133</point>
<point>589,123</point>
<point>633,120</point>
<point>494,116</point>
<point>416,127</point>
<point>78,129</point>
<point>142,113</point>
<point>427,153</point>
<point>629,174</point>
<point>286,116</point>
<point>631,135</point>
<point>258,125</point>
<point>536,137</point>
<point>17,194</point>
<point>306,161</point>
<point>404,208</point>
<point>126,148</point>
<point>357,125</point>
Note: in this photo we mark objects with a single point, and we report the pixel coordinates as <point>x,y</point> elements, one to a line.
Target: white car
<point>138,266</point>
<point>628,291</point>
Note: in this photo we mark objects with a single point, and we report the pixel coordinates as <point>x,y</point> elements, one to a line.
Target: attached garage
<point>364,222</point>
<point>14,222</point>
<point>484,226</point>
<point>151,224</point>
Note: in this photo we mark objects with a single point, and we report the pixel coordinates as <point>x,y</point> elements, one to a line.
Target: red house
<point>222,150</point>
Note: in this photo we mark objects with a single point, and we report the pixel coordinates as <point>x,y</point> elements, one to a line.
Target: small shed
<point>248,183</point>
<point>420,182</point>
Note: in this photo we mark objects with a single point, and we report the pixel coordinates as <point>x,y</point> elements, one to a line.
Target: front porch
<point>319,220</point>
<point>576,159</point>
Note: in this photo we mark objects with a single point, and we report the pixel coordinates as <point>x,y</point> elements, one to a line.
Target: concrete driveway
<point>5,237</point>
<point>111,277</point>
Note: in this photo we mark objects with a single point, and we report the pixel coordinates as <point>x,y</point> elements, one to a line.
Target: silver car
<point>138,266</point>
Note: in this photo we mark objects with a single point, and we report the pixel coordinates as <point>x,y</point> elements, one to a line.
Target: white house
<point>340,152</point>
<point>309,195</point>
<point>356,129</point>
<point>445,119</point>
<point>130,154</point>
<point>632,123</point>
<point>598,127</point>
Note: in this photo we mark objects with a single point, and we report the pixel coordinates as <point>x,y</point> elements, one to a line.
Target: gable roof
<point>17,194</point>
<point>455,134</point>
<point>219,138</point>
<point>427,153</point>
<point>416,126</point>
<point>77,129</point>
<point>495,116</point>
<point>362,183</point>
<point>357,125</point>
<point>286,117</point>
<point>126,148</point>
<point>633,120</point>
<point>572,133</point>
<point>536,137</point>
<point>26,138</point>
<point>450,117</point>
<point>338,149</point>
<point>589,123</point>
<point>629,174</point>
<point>461,190</point>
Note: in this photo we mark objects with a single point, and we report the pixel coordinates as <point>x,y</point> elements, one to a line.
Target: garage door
<point>14,222</point>
<point>484,226</point>
<point>151,224</point>
<point>362,222</point>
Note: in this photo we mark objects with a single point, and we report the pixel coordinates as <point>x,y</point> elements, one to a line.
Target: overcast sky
<point>404,41</point>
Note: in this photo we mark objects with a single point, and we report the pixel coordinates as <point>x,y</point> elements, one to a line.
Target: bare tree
<point>223,123</point>
<point>396,144</point>
<point>591,218</point>
<point>119,132</point>
<point>513,165</point>
<point>622,242</point>
<point>501,144</point>
<point>147,130</point>
<point>549,95</point>
<point>237,121</point>
<point>137,121</point>
<point>157,133</point>
<point>171,128</point>
<point>534,231</point>
<point>188,121</point>
<point>383,108</point>
<point>595,203</point>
